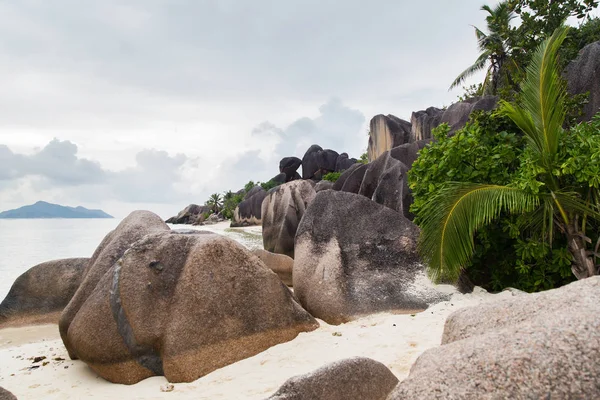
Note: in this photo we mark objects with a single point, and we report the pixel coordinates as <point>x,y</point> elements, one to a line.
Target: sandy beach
<point>395,340</point>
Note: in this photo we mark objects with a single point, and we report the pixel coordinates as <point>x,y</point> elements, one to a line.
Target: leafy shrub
<point>332,176</point>
<point>488,151</point>
<point>269,185</point>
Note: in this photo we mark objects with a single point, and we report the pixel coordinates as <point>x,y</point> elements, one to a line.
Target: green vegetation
<point>332,176</point>
<point>269,185</point>
<point>215,202</point>
<point>513,198</point>
<point>364,158</point>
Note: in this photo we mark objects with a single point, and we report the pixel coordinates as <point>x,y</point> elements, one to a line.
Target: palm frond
<point>541,113</point>
<point>450,219</point>
<point>477,66</point>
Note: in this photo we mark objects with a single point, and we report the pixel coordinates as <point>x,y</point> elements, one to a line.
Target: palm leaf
<point>450,219</point>
<point>477,66</point>
<point>541,113</point>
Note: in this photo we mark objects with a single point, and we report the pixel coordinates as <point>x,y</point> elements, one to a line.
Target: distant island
<point>42,209</point>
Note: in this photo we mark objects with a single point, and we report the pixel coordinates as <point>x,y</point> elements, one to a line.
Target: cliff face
<point>386,132</point>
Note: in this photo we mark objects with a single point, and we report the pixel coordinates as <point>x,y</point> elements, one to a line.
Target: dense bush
<point>490,151</point>
<point>332,176</point>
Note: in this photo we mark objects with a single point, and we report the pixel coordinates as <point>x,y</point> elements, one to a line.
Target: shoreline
<point>396,340</point>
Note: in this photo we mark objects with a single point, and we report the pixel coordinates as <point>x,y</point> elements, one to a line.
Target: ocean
<point>28,242</point>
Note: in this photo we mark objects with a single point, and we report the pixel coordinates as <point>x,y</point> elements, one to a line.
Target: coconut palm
<point>494,47</point>
<point>215,202</point>
<point>451,217</point>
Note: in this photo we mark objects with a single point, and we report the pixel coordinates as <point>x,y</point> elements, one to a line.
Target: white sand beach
<point>395,340</point>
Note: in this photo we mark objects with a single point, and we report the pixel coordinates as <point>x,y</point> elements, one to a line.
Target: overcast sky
<point>155,104</point>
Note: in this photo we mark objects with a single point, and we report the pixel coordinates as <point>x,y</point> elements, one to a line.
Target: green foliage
<point>546,193</point>
<point>269,185</point>
<point>332,176</point>
<point>215,202</point>
<point>231,201</point>
<point>249,186</point>
<point>364,158</point>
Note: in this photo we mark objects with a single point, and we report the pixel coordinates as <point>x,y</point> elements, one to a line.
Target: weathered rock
<point>343,162</point>
<point>190,215</point>
<point>386,132</point>
<point>323,185</point>
<point>289,166</point>
<point>353,378</point>
<point>386,183</point>
<point>550,352</point>
<point>458,114</point>
<point>583,75</point>
<point>6,395</point>
<point>357,257</point>
<point>183,305</point>
<point>39,295</point>
<point>280,178</point>
<point>282,211</point>
<point>423,122</point>
<point>134,227</point>
<point>327,161</point>
<point>510,313</point>
<point>281,264</point>
<point>351,180</point>
<point>408,153</point>
<point>310,161</point>
<point>248,212</point>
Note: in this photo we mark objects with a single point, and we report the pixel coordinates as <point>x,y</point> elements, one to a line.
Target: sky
<point>156,104</point>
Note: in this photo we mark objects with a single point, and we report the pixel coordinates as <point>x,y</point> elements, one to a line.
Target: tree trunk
<point>583,265</point>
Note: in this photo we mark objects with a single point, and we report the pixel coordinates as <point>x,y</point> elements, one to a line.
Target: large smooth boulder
<point>248,212</point>
<point>327,161</point>
<point>282,211</point>
<point>351,180</point>
<point>385,133</point>
<point>310,161</point>
<point>352,378</point>
<point>39,295</point>
<point>6,395</point>
<point>289,166</point>
<point>191,215</point>
<point>408,153</point>
<point>550,351</point>
<point>423,122</point>
<point>386,183</point>
<point>134,227</point>
<point>356,257</point>
<point>281,264</point>
<point>183,304</point>
<point>343,162</point>
<point>323,185</point>
<point>583,75</point>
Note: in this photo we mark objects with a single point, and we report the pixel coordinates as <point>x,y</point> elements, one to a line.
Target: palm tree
<point>215,202</point>
<point>494,47</point>
<point>451,217</point>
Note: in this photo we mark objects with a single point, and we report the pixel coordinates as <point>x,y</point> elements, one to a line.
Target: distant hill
<point>42,209</point>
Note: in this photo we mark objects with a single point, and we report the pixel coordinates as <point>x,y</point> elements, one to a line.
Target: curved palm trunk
<point>583,264</point>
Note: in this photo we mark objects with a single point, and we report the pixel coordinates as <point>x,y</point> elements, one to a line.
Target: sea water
<point>28,242</point>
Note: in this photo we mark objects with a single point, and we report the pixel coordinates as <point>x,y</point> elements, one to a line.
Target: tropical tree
<point>547,203</point>
<point>495,49</point>
<point>215,202</point>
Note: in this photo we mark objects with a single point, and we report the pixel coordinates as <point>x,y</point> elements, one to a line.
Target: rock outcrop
<point>357,257</point>
<point>386,182</point>
<point>423,122</point>
<point>544,345</point>
<point>583,75</point>
<point>289,166</point>
<point>310,161</point>
<point>191,215</point>
<point>39,295</point>
<point>282,211</point>
<point>248,212</point>
<point>386,132</point>
<point>353,378</point>
<point>134,227</point>
<point>343,162</point>
<point>351,179</point>
<point>323,185</point>
<point>182,304</point>
<point>408,153</point>
<point>6,395</point>
<point>281,264</point>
